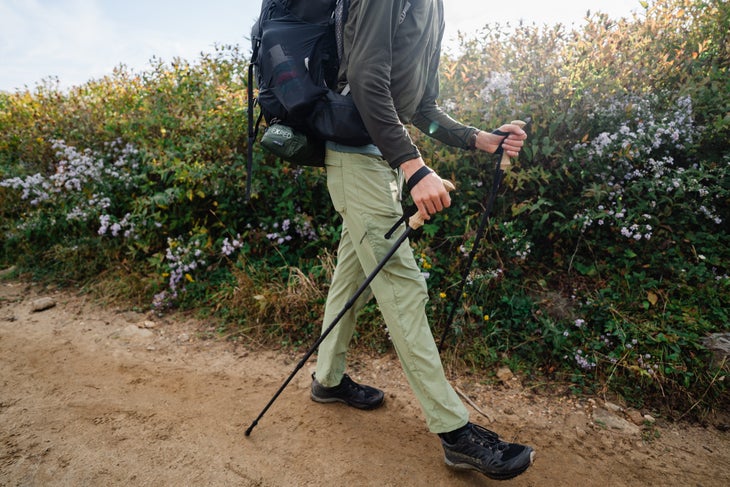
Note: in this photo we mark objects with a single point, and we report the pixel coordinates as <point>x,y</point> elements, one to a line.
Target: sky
<point>80,40</point>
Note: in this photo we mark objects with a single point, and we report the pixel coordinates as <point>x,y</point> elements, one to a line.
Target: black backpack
<point>295,62</point>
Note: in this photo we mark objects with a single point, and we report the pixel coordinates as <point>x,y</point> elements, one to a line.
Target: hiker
<point>390,67</point>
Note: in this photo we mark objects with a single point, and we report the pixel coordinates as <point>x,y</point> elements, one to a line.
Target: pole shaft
<point>498,173</point>
<point>501,166</point>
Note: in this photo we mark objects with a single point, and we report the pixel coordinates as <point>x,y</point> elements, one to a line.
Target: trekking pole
<point>414,222</point>
<point>502,164</point>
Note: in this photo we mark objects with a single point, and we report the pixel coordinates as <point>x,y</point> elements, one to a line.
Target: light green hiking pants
<point>365,192</point>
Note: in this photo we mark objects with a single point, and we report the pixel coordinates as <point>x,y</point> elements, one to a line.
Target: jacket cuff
<point>472,139</point>
<point>395,163</point>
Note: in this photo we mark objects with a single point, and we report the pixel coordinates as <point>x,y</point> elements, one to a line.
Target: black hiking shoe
<point>476,448</point>
<point>349,392</point>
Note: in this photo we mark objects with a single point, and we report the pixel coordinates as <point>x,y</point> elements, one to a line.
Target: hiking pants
<point>365,191</point>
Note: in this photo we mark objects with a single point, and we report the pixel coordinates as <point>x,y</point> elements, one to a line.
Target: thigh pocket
<point>376,186</point>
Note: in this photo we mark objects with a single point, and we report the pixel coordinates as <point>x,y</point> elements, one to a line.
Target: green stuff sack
<point>293,146</point>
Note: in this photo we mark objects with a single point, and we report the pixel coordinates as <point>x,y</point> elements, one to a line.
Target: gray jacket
<point>391,59</point>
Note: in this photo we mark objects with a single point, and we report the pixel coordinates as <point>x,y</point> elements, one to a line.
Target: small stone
<point>719,344</point>
<point>42,304</point>
<point>504,374</point>
<point>649,418</point>
<point>613,407</point>
<point>147,324</point>
<point>611,421</point>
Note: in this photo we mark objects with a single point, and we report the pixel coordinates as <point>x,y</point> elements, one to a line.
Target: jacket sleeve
<point>431,120</point>
<point>368,73</point>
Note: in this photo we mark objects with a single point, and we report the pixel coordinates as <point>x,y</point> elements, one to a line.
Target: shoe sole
<point>329,400</point>
<point>495,476</point>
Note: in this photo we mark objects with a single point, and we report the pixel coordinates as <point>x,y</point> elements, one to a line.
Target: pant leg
<point>347,278</point>
<point>364,190</point>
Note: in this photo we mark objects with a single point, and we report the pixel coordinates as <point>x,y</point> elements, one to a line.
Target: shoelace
<point>486,438</point>
<point>353,386</point>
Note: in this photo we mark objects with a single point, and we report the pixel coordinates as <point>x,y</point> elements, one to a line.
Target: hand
<point>512,144</point>
<point>430,194</point>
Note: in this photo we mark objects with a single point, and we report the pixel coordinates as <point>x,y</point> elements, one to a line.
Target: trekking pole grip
<point>506,161</point>
<point>416,221</point>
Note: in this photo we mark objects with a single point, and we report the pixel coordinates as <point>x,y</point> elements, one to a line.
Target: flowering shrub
<point>76,201</point>
<point>637,177</point>
<point>653,224</point>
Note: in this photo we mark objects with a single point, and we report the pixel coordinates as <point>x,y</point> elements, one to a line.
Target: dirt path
<point>93,396</point>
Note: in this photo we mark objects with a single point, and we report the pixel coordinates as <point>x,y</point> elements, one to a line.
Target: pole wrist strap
<point>501,134</point>
<point>417,176</point>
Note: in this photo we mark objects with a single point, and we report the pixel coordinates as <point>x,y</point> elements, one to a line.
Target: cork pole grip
<point>505,163</point>
<point>417,221</point>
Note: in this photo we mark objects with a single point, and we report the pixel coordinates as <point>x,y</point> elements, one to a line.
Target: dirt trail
<point>94,396</point>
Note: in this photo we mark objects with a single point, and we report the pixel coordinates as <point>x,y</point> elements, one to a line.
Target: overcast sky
<point>78,40</point>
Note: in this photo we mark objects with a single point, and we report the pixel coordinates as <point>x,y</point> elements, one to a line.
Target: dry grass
<point>269,306</point>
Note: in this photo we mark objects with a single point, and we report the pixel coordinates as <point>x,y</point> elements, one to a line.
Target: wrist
<point>411,166</point>
<point>417,176</point>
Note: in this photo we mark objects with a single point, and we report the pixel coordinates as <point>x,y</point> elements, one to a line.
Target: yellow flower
<point>189,277</point>
<point>442,295</point>
<point>486,317</point>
